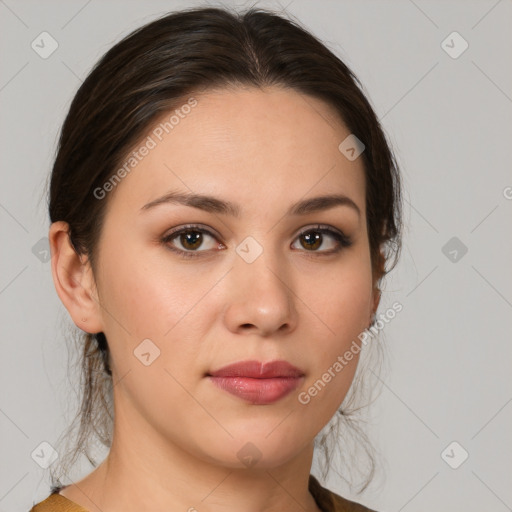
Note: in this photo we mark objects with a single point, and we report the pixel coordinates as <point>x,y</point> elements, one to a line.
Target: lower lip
<point>258,391</point>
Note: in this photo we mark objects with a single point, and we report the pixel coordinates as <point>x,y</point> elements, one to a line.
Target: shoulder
<point>329,501</point>
<point>56,503</point>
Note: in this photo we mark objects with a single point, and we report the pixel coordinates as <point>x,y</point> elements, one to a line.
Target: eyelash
<point>343,240</point>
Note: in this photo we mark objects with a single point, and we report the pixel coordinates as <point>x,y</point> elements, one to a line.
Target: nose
<point>260,298</point>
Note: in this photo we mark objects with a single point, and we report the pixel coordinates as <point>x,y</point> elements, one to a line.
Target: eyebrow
<point>215,205</point>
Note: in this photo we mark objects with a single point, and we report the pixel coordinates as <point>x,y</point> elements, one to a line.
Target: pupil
<point>192,239</point>
<point>313,240</point>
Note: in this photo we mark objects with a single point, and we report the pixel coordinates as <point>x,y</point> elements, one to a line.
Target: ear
<point>74,280</point>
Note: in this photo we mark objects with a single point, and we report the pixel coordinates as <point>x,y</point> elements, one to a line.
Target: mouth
<point>256,382</point>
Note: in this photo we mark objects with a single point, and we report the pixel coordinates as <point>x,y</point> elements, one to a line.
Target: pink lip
<point>257,382</point>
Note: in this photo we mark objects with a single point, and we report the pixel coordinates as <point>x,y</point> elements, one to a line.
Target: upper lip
<point>258,370</point>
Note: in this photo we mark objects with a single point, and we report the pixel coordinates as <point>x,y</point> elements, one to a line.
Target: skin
<point>176,435</point>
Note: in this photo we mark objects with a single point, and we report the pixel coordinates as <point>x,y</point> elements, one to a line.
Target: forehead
<point>247,144</point>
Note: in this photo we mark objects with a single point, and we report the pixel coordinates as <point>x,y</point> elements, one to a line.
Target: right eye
<point>191,238</point>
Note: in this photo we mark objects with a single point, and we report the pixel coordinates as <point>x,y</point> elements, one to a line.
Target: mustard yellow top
<point>326,500</point>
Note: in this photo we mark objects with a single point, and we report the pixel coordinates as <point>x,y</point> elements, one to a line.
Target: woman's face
<point>244,287</point>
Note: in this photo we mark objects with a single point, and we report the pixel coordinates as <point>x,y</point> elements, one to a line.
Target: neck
<point>148,472</point>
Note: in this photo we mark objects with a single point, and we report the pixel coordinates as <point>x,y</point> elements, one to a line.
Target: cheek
<point>146,297</point>
<point>340,298</point>
<point>148,294</point>
<point>341,305</point>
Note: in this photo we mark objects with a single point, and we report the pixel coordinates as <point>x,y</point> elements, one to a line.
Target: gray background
<point>448,356</point>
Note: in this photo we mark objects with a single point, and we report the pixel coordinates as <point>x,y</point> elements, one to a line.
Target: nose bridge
<point>260,291</point>
<point>263,268</point>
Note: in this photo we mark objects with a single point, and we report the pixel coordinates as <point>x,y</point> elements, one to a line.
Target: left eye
<point>313,238</point>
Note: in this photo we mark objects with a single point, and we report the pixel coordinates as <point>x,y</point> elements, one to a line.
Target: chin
<point>254,450</point>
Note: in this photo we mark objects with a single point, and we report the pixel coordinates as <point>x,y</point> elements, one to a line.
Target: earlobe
<point>74,280</point>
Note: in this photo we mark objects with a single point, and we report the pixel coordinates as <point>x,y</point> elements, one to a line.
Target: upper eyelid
<point>192,227</point>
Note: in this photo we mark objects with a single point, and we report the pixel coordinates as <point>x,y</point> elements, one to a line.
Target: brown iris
<point>191,239</point>
<point>313,240</point>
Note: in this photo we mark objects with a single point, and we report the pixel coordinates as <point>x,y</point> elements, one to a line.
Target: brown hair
<point>149,73</point>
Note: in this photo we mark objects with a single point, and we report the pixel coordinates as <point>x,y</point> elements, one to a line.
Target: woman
<point>221,206</point>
